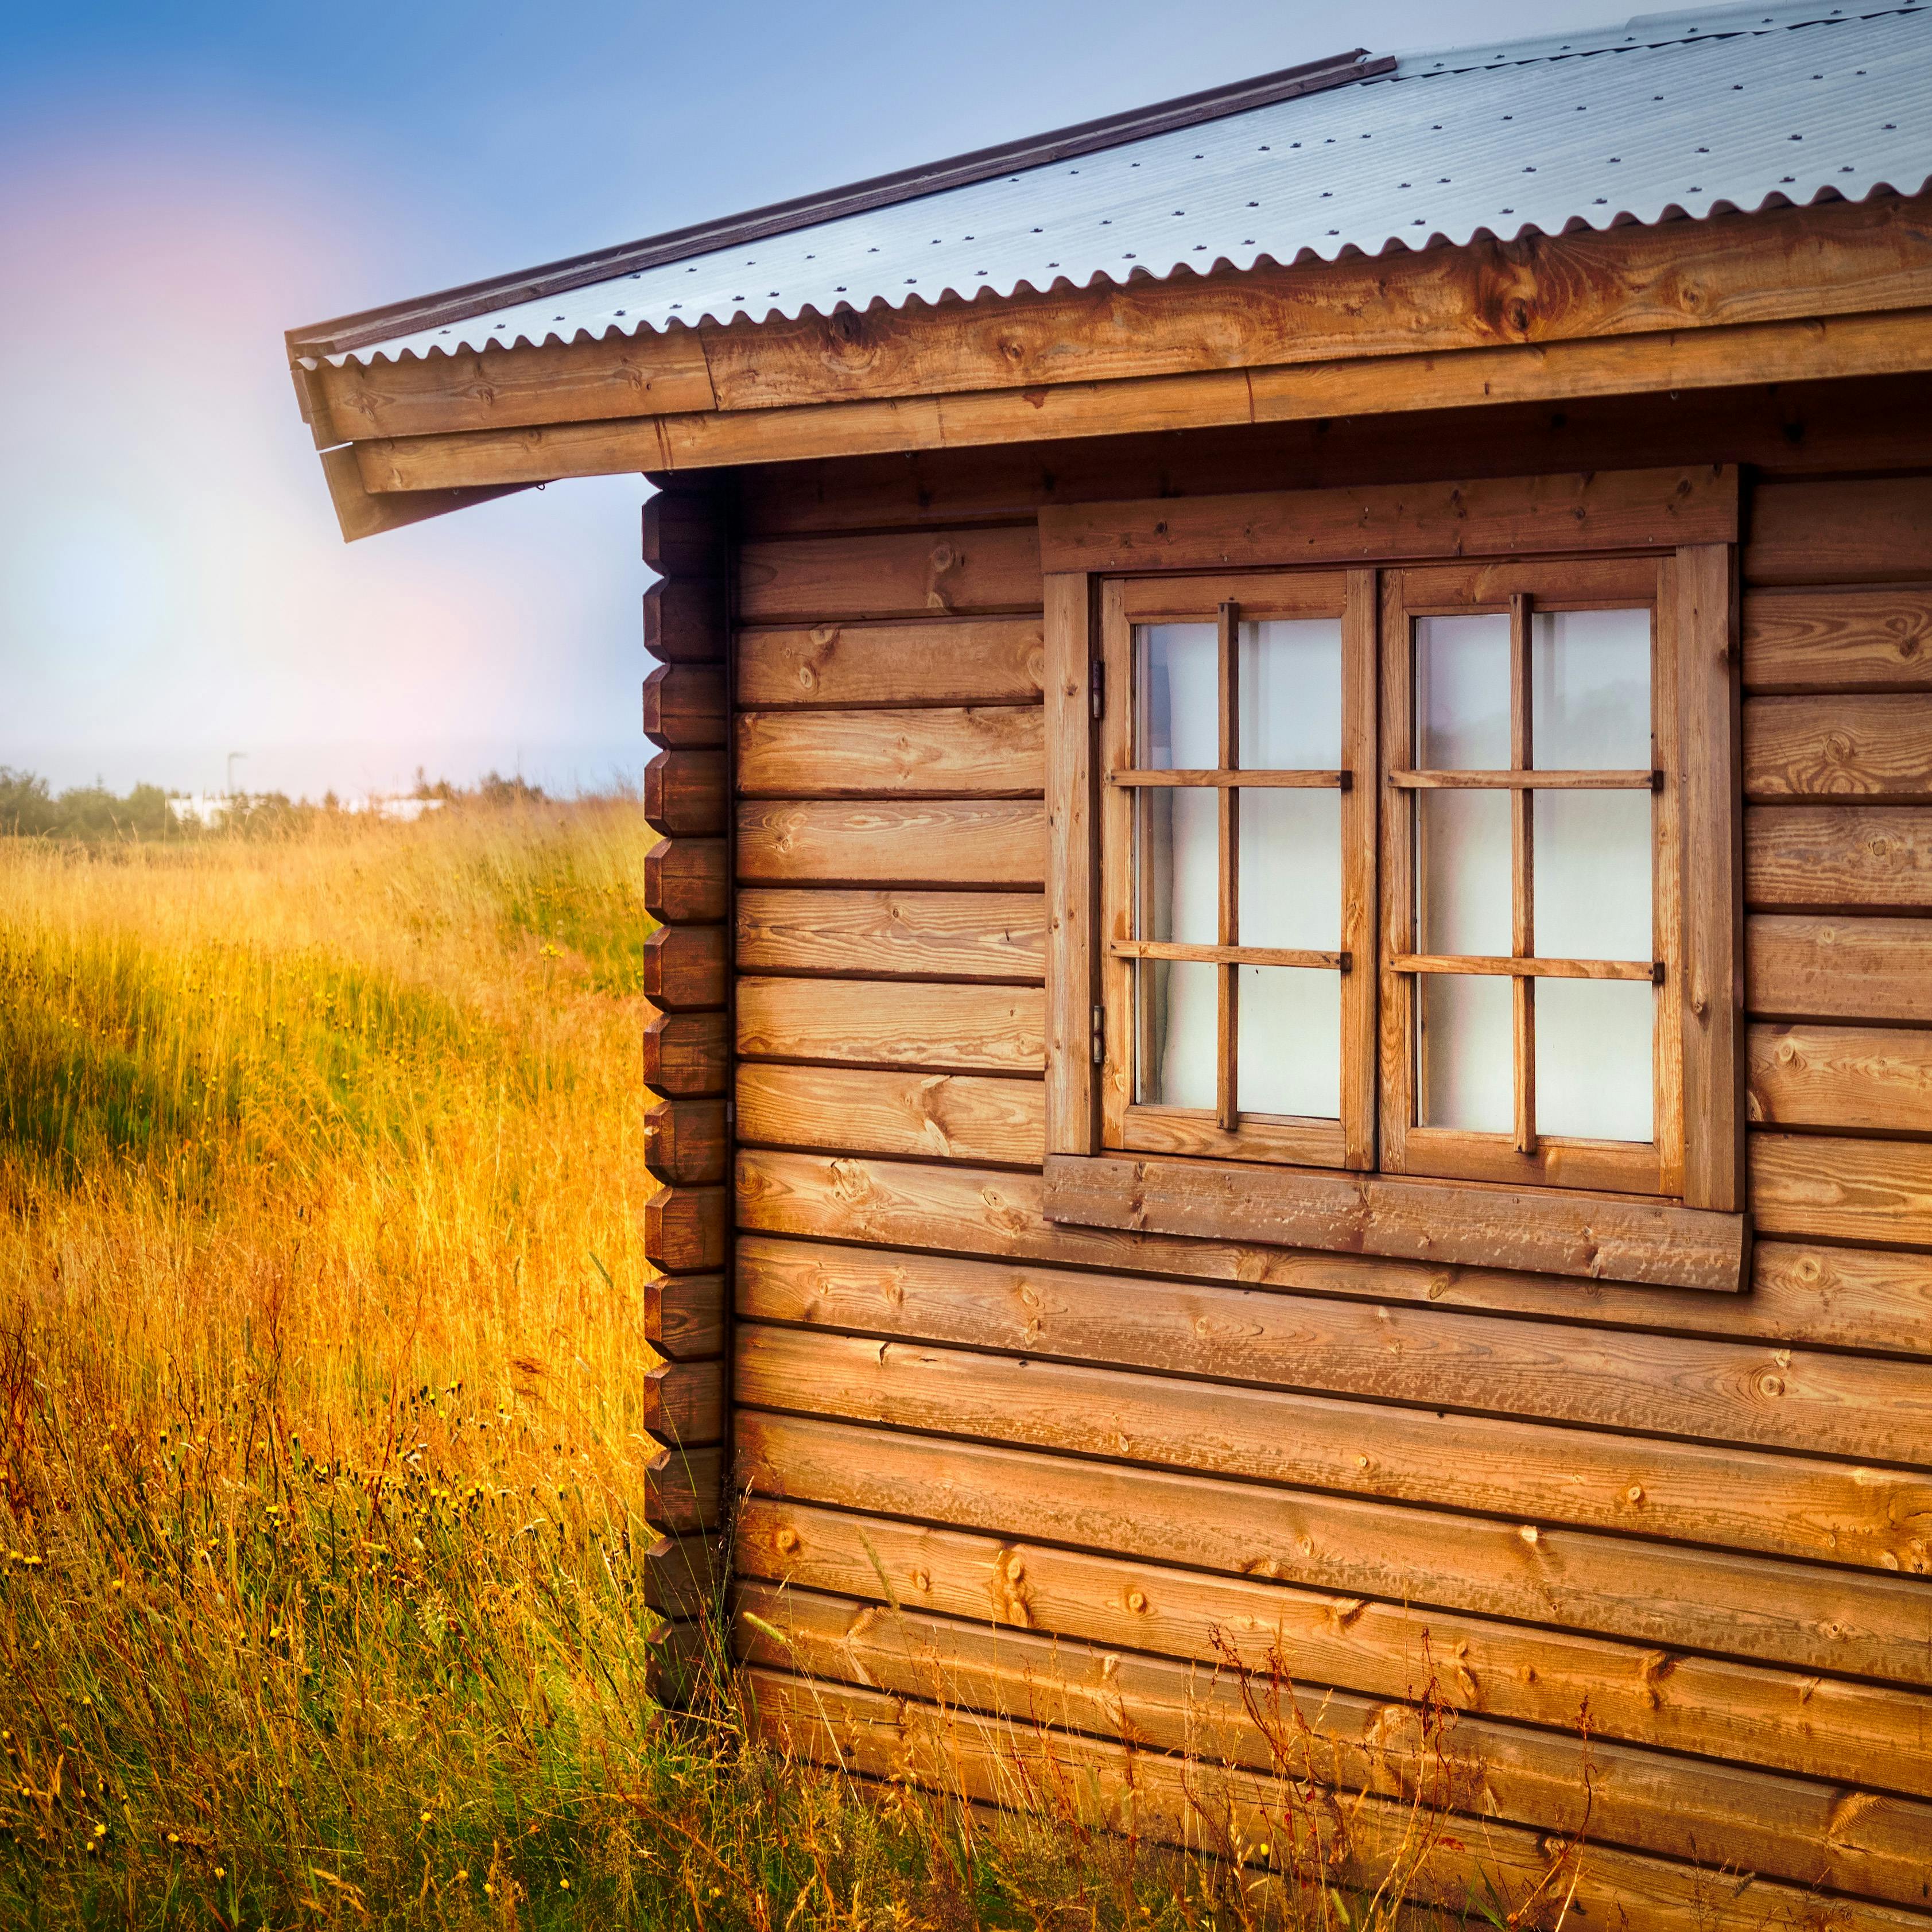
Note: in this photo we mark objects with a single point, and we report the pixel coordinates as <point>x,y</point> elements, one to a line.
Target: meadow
<point>321,1456</point>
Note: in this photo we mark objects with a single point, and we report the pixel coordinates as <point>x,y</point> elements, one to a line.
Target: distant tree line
<point>29,808</point>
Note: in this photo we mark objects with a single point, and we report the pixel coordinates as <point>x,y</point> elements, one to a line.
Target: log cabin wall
<point>1664,1554</point>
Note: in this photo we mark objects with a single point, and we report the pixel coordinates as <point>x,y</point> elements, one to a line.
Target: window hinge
<point>1099,1045</point>
<point>1097,686</point>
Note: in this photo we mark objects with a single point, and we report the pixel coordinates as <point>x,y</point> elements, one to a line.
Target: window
<point>1393,869</point>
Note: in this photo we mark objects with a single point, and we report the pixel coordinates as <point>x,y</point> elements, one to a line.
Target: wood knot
<point>787,1540</point>
<point>1137,1602</point>
<point>921,1581</point>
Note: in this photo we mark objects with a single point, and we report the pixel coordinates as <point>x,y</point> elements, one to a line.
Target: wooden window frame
<point>1555,1207</point>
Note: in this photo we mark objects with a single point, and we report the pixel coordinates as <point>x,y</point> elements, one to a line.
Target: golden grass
<point>320,1345</point>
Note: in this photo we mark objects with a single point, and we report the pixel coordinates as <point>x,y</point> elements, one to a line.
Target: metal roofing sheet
<point>1688,113</point>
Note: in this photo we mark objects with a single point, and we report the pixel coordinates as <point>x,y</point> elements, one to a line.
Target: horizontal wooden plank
<point>1844,1190</point>
<point>1081,1783</point>
<point>1808,1075</point>
<point>1875,530</point>
<point>687,1056</point>
<point>681,1576</point>
<point>684,1315</point>
<point>685,794</point>
<point>936,660</point>
<point>940,1116</point>
<point>687,1230</point>
<point>684,707</point>
<point>989,936</point>
<point>684,1403</point>
<point>1836,1297</point>
<point>961,841</point>
<point>1651,1595</point>
<point>1628,509</point>
<point>685,527</point>
<point>1599,1236</point>
<point>1481,1670</point>
<point>1875,745</point>
<point>1777,1827</point>
<point>788,581</point>
<point>988,751</point>
<point>686,1141</point>
<point>1825,857</point>
<point>687,879</point>
<point>1848,969</point>
<point>684,1490</point>
<point>1841,639</point>
<point>1714,1391</point>
<point>1518,1469</point>
<point>684,621</point>
<point>686,967</point>
<point>886,1023</point>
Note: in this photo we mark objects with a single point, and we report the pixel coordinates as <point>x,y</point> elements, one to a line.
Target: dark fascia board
<point>349,332</point>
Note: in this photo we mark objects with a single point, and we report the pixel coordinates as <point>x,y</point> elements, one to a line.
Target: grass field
<point>320,1340</point>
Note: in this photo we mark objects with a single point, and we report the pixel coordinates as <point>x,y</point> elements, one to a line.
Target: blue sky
<point>179,183</point>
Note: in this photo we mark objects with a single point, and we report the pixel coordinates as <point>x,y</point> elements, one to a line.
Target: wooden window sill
<point>1597,1237</point>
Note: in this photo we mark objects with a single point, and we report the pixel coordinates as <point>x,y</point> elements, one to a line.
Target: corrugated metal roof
<point>1680,114</point>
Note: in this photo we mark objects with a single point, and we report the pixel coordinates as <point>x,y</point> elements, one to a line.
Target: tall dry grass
<point>320,1454</point>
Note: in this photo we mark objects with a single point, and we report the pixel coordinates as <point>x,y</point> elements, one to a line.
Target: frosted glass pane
<point>1593,1056</point>
<point>1462,693</point>
<point>1591,860</point>
<point>1177,1011</point>
<point>1462,871</point>
<point>1290,863</point>
<point>1467,1059</point>
<point>1290,688</point>
<point>1177,682</point>
<point>1289,1042</point>
<point>1177,866</point>
<point>1589,682</point>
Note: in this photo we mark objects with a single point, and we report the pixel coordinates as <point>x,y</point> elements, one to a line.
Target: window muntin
<point>1525,885</point>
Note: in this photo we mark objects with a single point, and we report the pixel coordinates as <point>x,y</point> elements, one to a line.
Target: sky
<point>182,180</point>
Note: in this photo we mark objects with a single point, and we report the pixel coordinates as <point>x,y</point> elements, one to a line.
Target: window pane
<point>1589,682</point>
<point>1462,872</point>
<point>1289,1042</point>
<point>1468,1061</point>
<point>1176,683</point>
<point>1175,1003</point>
<point>1289,682</point>
<point>1463,692</point>
<point>1290,863</point>
<point>1177,866</point>
<point>1593,1059</point>
<point>1592,866</point>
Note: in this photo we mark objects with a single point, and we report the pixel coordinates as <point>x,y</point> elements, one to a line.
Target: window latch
<point>1096,687</point>
<point>1099,1041</point>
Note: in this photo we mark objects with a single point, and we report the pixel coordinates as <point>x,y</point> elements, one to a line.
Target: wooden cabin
<point>1293,1010</point>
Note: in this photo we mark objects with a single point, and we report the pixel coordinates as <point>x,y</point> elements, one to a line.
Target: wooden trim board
<point>1597,1237</point>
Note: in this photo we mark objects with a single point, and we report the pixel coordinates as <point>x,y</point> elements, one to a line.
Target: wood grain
<point>988,751</point>
<point>684,706</point>
<point>1072,867</point>
<point>683,1490</point>
<point>1809,1075</point>
<point>1661,1594</point>
<point>681,1576</point>
<point>684,1315</point>
<point>1836,1297</point>
<point>1089,1784</point>
<point>686,1141</point>
<point>1868,530</point>
<point>986,936</point>
<point>1838,639</point>
<point>687,880</point>
<point>941,1116</point>
<point>1777,1827</point>
<point>685,794</point>
<point>1709,1390</point>
<point>684,622</point>
<point>687,1230</point>
<point>1519,1469</point>
<point>965,842</point>
<point>1600,1237</point>
<point>1825,856</point>
<point>786,580</point>
<point>1844,1190</point>
<point>1386,523</point>
<point>937,660</point>
<point>887,1023</point>
<point>687,1056</point>
<point>1862,745</point>
<point>684,1403</point>
<point>686,966</point>
<point>1848,969</point>
<point>685,526</point>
